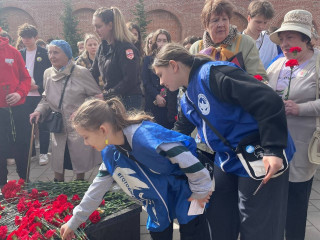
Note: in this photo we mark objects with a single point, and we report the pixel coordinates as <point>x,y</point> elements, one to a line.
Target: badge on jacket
<point>9,61</point>
<point>130,54</point>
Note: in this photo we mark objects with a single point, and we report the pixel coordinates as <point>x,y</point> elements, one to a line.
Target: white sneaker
<point>43,159</point>
<point>11,161</point>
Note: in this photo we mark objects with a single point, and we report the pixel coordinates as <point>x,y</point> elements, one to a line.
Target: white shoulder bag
<point>314,145</point>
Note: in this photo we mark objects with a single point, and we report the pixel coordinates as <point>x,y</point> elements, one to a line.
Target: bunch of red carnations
<point>33,214</point>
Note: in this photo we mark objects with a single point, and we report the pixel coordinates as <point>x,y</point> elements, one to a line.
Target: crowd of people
<point>240,95</point>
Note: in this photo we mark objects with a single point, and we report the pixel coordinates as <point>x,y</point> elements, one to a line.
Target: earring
<point>106,141</point>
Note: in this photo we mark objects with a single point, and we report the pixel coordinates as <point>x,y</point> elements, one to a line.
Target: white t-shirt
<point>30,58</point>
<point>267,49</point>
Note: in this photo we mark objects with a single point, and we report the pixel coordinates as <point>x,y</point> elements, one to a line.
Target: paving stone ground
<point>44,173</point>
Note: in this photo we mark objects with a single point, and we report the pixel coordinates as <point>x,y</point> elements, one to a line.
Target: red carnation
<point>36,236</point>
<point>49,234</point>
<point>3,232</point>
<point>1,207</point>
<point>17,220</point>
<point>36,227</point>
<point>44,194</point>
<point>67,218</point>
<point>21,181</point>
<point>292,63</point>
<point>103,203</point>
<point>95,217</point>
<point>295,50</point>
<point>83,225</point>
<point>258,77</point>
<point>62,198</point>
<point>75,198</point>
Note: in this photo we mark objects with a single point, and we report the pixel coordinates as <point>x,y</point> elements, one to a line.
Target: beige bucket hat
<point>295,20</point>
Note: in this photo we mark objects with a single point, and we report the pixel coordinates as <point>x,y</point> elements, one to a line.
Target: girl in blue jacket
<point>237,105</point>
<point>155,165</point>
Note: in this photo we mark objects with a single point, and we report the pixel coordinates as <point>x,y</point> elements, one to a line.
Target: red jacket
<point>14,77</point>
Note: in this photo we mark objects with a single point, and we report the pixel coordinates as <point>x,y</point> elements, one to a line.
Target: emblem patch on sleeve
<point>130,54</point>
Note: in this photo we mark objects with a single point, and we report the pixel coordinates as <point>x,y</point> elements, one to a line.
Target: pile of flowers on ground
<point>36,211</point>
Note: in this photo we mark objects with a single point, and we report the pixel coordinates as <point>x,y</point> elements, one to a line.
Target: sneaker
<point>11,161</point>
<point>43,159</point>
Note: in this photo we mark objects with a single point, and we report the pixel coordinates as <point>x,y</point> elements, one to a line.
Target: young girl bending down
<point>155,165</point>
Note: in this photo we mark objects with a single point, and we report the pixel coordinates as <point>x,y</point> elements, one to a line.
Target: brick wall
<point>180,17</point>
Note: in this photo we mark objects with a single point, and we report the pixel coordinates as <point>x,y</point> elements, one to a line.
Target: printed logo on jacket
<point>203,104</point>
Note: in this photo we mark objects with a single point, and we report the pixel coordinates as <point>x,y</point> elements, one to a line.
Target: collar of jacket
<point>197,62</point>
<point>57,75</point>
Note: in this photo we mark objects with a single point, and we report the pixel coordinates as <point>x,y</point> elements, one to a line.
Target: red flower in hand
<point>258,77</point>
<point>292,63</point>
<point>95,217</point>
<point>295,50</point>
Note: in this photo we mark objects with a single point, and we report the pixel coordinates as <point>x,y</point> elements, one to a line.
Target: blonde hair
<point>93,113</point>
<point>90,36</point>
<point>119,29</point>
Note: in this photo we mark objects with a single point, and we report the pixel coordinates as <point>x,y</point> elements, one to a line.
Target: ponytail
<point>120,31</point>
<point>93,113</point>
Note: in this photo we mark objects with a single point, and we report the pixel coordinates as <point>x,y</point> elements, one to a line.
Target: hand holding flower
<point>66,232</point>
<point>160,101</point>
<point>291,108</point>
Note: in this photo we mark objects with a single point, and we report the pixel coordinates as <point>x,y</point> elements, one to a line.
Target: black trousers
<point>298,201</point>
<point>196,229</point>
<point>233,208</point>
<point>44,136</point>
<point>20,145</point>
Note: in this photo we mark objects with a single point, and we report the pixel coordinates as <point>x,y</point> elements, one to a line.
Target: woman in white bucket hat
<point>302,109</point>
